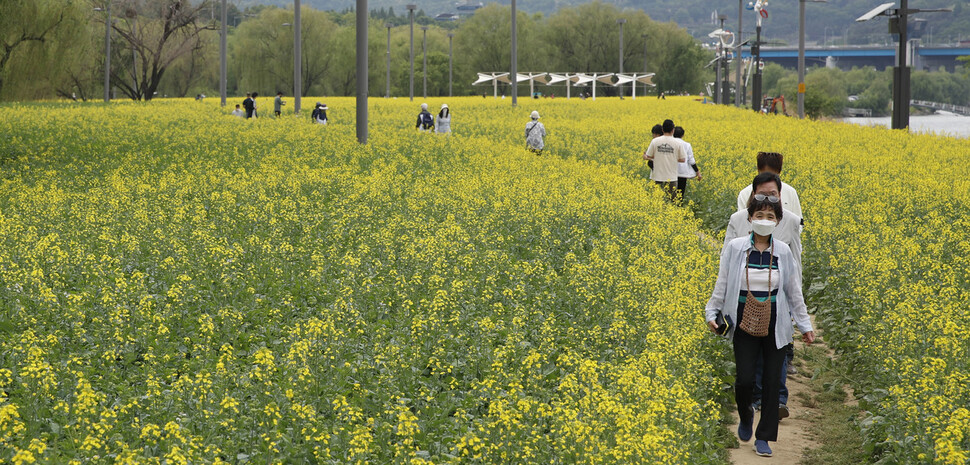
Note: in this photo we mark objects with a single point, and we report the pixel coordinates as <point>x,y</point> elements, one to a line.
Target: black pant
<point>682,187</point>
<point>746,351</point>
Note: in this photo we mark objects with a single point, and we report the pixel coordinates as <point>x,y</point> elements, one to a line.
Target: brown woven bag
<point>757,314</point>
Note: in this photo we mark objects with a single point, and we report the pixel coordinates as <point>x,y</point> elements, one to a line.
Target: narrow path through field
<point>796,434</point>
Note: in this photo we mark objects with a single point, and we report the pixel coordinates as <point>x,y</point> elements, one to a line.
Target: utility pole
<point>424,44</point>
<point>387,94</point>
<point>450,36</point>
<point>297,59</point>
<point>515,58</point>
<point>107,53</point>
<point>222,54</point>
<point>801,55</point>
<point>411,7</point>
<point>362,71</point>
<point>737,57</point>
<point>620,22</point>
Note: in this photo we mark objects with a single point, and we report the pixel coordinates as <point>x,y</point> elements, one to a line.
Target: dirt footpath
<point>794,433</point>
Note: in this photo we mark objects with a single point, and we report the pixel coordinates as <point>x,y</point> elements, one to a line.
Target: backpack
<point>426,120</point>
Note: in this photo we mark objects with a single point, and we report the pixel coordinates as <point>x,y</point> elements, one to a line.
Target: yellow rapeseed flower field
<point>178,285</point>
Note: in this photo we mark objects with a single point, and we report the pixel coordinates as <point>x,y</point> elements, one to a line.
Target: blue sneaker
<point>745,429</point>
<point>761,448</point>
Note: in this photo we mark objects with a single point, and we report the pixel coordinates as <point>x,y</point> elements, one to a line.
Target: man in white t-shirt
<point>771,162</point>
<point>665,152</point>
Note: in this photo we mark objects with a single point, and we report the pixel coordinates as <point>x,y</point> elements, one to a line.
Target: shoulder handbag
<point>757,314</point>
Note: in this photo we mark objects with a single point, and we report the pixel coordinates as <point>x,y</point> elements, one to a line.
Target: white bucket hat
<point>424,106</point>
<point>444,105</point>
<point>535,114</point>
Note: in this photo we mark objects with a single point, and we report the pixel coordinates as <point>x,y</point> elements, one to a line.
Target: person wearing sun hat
<point>534,134</point>
<point>443,120</point>
<point>319,114</point>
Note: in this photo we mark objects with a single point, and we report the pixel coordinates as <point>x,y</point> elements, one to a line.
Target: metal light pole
<point>645,86</point>
<point>450,36</point>
<point>801,55</point>
<point>515,58</point>
<point>222,55</point>
<point>107,51</point>
<point>737,57</point>
<point>411,7</point>
<point>620,22</point>
<point>297,59</point>
<point>898,19</point>
<point>387,94</point>
<point>362,71</point>
<point>756,55</point>
<point>424,45</point>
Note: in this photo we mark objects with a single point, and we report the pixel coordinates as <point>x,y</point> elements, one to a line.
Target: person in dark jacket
<point>425,119</point>
<point>249,105</point>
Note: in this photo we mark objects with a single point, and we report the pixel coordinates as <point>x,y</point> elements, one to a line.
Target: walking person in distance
<point>535,132</point>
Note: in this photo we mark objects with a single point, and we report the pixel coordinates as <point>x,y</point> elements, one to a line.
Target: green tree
<point>482,44</point>
<point>262,52</point>
<point>35,36</point>
<point>825,92</point>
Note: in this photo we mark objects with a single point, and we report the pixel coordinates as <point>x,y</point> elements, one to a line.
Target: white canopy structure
<point>494,78</point>
<point>646,79</point>
<point>571,79</point>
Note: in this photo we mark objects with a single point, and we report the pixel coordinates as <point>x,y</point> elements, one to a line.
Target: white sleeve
<point>796,299</point>
<point>716,302</point>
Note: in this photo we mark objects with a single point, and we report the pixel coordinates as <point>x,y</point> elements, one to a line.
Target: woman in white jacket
<point>759,267</point>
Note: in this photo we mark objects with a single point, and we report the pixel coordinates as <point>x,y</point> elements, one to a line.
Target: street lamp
<point>759,8</point>
<point>387,94</point>
<point>450,35</point>
<point>107,51</point>
<point>737,57</point>
<point>424,44</point>
<point>297,59</point>
<point>898,18</point>
<point>801,55</point>
<point>621,21</point>
<point>411,7</point>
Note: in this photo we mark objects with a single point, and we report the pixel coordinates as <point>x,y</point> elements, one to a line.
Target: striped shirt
<point>758,270</point>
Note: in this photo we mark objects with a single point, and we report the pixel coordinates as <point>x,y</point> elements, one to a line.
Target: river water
<point>947,124</point>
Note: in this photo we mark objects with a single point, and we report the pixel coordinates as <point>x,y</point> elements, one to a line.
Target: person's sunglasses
<point>769,198</point>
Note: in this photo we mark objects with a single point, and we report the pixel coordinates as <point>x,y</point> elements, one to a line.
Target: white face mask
<point>763,227</point>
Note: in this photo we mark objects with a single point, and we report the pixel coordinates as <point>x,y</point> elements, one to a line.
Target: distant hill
<point>832,22</point>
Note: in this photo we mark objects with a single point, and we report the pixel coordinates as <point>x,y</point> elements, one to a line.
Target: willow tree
<point>262,52</point>
<point>33,35</point>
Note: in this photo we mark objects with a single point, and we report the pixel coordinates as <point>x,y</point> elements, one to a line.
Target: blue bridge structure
<point>928,58</point>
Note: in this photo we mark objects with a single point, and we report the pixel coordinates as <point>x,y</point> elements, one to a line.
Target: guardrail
<point>959,109</point>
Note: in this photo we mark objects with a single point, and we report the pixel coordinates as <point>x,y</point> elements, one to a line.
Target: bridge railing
<point>959,109</point>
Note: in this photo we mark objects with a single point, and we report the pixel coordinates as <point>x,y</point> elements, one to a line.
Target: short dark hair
<point>763,178</point>
<point>758,205</point>
<point>668,126</point>
<point>279,93</point>
<point>255,95</point>
<point>772,160</point>
<point>678,132</point>
<point>657,130</point>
